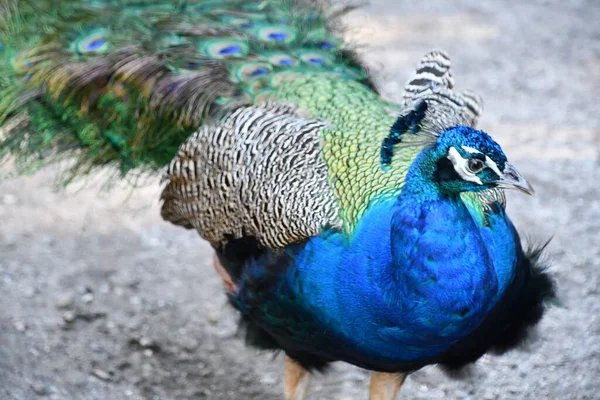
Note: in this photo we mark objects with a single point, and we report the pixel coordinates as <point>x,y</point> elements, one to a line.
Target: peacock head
<point>470,160</point>
<point>458,159</point>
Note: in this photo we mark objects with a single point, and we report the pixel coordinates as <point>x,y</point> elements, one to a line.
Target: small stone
<point>87,298</point>
<point>146,342</point>
<point>189,344</point>
<point>20,326</point>
<point>147,371</point>
<point>135,300</point>
<point>69,316</point>
<point>268,379</point>
<point>101,374</point>
<point>109,327</point>
<point>213,317</point>
<point>148,352</point>
<point>206,373</point>
<point>39,389</point>
<point>9,199</point>
<point>65,300</point>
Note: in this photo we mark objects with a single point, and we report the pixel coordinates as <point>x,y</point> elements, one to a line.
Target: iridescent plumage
<point>346,227</point>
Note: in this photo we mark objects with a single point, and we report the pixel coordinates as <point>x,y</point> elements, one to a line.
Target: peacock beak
<point>512,179</point>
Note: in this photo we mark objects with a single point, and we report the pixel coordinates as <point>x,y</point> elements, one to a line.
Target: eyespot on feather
<point>21,62</point>
<point>223,48</point>
<point>325,45</point>
<point>96,42</point>
<point>247,71</point>
<point>275,33</point>
<point>263,95</point>
<point>320,39</point>
<point>281,59</point>
<point>316,58</point>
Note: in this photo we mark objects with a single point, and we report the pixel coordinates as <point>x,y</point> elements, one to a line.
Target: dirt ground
<point>100,299</point>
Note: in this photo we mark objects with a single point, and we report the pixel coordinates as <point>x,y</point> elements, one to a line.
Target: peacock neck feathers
<point>400,289</point>
<point>396,289</point>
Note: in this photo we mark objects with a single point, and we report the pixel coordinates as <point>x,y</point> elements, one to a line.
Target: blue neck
<point>420,183</point>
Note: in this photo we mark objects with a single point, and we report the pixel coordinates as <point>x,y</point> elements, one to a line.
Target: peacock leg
<point>385,386</point>
<point>296,380</point>
<point>229,285</point>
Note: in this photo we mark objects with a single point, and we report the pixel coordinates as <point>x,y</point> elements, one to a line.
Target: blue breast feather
<point>359,300</point>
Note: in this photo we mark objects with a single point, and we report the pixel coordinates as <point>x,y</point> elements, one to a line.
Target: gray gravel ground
<point>103,300</point>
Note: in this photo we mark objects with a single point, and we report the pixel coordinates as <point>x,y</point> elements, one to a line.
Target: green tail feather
<point>125,82</point>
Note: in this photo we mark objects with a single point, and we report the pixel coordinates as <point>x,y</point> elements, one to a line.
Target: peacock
<point>345,227</point>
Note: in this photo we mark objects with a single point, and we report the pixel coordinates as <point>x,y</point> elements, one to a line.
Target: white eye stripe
<point>488,161</point>
<point>492,165</point>
<point>471,150</point>
<point>460,166</point>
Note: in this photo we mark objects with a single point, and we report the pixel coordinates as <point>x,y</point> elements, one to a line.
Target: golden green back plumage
<point>358,121</point>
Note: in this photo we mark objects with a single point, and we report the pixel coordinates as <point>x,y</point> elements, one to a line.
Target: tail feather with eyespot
<point>126,82</point>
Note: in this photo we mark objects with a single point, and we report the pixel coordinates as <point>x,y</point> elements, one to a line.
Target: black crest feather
<point>408,123</point>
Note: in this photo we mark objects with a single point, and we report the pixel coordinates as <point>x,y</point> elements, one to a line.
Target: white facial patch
<point>460,166</point>
<point>470,149</point>
<point>488,161</point>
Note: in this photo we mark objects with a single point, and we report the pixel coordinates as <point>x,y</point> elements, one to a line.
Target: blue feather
<point>230,50</point>
<point>259,71</point>
<point>316,60</point>
<point>278,36</point>
<point>405,124</point>
<point>325,45</point>
<point>95,45</point>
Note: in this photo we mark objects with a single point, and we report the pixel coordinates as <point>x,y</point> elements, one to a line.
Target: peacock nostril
<point>511,175</point>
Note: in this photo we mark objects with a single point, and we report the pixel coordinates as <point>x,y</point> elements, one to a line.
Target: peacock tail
<point>126,82</point>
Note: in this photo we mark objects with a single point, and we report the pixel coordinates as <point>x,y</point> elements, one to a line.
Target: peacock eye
<point>475,165</point>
